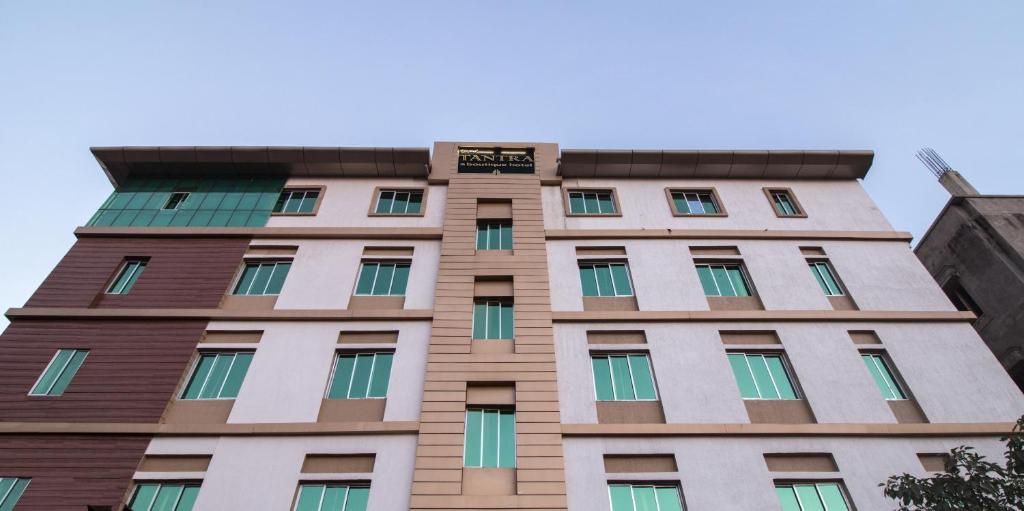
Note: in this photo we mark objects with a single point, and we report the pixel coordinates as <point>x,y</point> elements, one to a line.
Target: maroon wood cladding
<point>182,272</point>
<point>71,472</point>
<point>132,369</point>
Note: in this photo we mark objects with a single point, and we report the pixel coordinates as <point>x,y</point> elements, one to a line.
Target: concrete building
<point>975,251</point>
<point>487,326</point>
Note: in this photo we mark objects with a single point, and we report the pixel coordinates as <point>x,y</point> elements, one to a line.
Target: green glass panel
<point>401,203</point>
<point>668,499</point>
<point>506,237</point>
<point>5,485</point>
<point>787,497</point>
<point>139,200</point>
<point>16,491</point>
<point>266,201</point>
<point>256,219</point>
<point>120,200</point>
<point>383,285</point>
<point>357,499</point>
<point>276,281</point>
<point>212,200</point>
<point>145,218</point>
<point>604,280</point>
<point>218,374</point>
<point>778,372</point>
<point>738,282</point>
<point>507,439</point>
<point>52,371</point>
<point>107,218</point>
<point>381,375</point>
<point>199,376</point>
<point>415,203</point>
<point>762,376</point>
<point>180,219</point>
<point>281,201</point>
<point>507,322</point>
<point>644,498</point>
<point>576,204</point>
<point>620,275</point>
<point>167,497</point>
<point>361,376</point>
<point>605,203</point>
<point>490,454</point>
<point>366,274</point>
<point>602,378</point>
<point>681,205</point>
<point>202,218</point>
<point>220,218</point>
<point>738,362</point>
<point>588,278</point>
<point>877,376</point>
<point>474,434</point>
<point>481,237</point>
<point>342,377</point>
<point>308,202</point>
<point>493,321</point>
<point>722,279</point>
<point>143,498</point>
<point>808,497</point>
<point>710,207</point>
<point>69,372</point>
<point>401,280</point>
<point>694,203</point>
<point>236,375</point>
<point>643,381</point>
<point>833,497</point>
<point>590,203</point>
<point>291,205</point>
<point>309,497</point>
<point>334,498</point>
<point>895,391</point>
<point>230,201</point>
<point>245,281</point>
<point>134,275</point>
<point>260,280</point>
<point>621,380</point>
<point>125,218</point>
<point>707,281</point>
<point>830,280</point>
<point>246,200</point>
<point>188,498</point>
<point>479,321</point>
<point>238,219</point>
<point>621,496</point>
<point>384,202</point>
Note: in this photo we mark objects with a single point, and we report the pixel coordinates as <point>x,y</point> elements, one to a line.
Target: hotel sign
<point>488,160</point>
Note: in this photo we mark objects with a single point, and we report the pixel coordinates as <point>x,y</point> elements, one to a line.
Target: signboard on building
<point>488,160</point>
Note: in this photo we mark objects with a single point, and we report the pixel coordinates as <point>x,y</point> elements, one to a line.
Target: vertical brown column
<point>452,364</point>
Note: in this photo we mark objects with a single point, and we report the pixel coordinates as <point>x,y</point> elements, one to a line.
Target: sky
<point>890,76</point>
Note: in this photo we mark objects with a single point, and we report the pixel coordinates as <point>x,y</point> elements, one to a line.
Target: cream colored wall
<point>346,203</point>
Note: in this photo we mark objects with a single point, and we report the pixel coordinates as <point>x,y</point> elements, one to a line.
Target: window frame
<point>327,484</point>
<point>7,495</point>
<point>143,262</point>
<point>711,191</point>
<point>487,301</point>
<point>725,263</point>
<point>356,352</point>
<point>769,192</point>
<point>580,263</point>
<point>379,261</point>
<point>814,261</point>
<point>375,199</point>
<point>566,191</point>
<point>194,365</point>
<point>500,410</point>
<point>632,378</point>
<point>59,374</point>
<point>787,367</point>
<point>489,224</point>
<point>838,482</point>
<point>159,483</point>
<point>259,260</point>
<point>320,189</point>
<point>177,205</point>
<point>887,364</point>
<point>654,484</point>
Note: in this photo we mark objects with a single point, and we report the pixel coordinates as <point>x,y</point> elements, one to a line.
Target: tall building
<point>487,326</point>
<point>975,251</point>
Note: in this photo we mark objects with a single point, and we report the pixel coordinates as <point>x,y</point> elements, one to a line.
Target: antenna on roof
<point>951,180</point>
<point>933,161</point>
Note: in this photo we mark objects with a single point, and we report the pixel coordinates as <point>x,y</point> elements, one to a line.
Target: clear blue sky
<point>891,76</point>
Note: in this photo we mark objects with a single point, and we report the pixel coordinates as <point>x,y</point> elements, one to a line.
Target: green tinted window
<point>883,376</point>
<point>383,279</point>
<point>218,375</point>
<point>399,202</point>
<point>360,375</point>
<point>296,201</point>
<point>823,274</point>
<point>644,497</point>
<point>625,377</point>
<point>332,497</point>
<point>490,438</point>
<point>826,496</point>
<point>761,376</point>
<point>492,235</point>
<point>591,203</point>
<point>168,496</point>
<point>493,319</point>
<point>723,280</point>
<point>695,202</point>
<point>784,204</point>
<point>126,277</point>
<point>59,372</point>
<point>262,278</point>
<point>11,489</point>
<point>605,279</point>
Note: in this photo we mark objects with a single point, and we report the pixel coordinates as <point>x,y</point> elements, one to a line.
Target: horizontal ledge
<point>269,429</point>
<point>882,430</point>
<point>386,233</point>
<point>758,315</point>
<point>736,234</point>
<point>226,314</point>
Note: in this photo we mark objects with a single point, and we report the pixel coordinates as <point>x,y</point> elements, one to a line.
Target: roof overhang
<point>120,163</point>
<point>715,164</point>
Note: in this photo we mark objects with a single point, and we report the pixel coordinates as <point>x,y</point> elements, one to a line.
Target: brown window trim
<point>316,207</point>
<point>376,196</point>
<point>610,189</point>
<point>792,197</point>
<point>722,212</point>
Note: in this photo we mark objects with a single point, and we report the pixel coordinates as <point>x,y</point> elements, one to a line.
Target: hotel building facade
<point>487,326</point>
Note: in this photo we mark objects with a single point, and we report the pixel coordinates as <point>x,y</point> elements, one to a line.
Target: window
<point>762,376</point>
<point>492,319</point>
<point>784,203</point>
<point>399,202</point>
<point>130,271</point>
<point>695,202</point>
<point>812,497</point>
<point>490,438</point>
<point>605,279</point>
<point>218,375</point>
<point>961,299</point>
<point>644,497</point>
<point>164,496</point>
<point>592,202</point>
<point>296,201</point>
<point>623,377</point>
<point>883,376</point>
<point>360,375</point>
<point>332,497</point>
<point>58,373</point>
<point>175,200</point>
<point>494,235</point>
<point>383,279</point>
<point>11,489</point>
<point>826,279</point>
<point>723,280</point>
<point>262,277</point>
